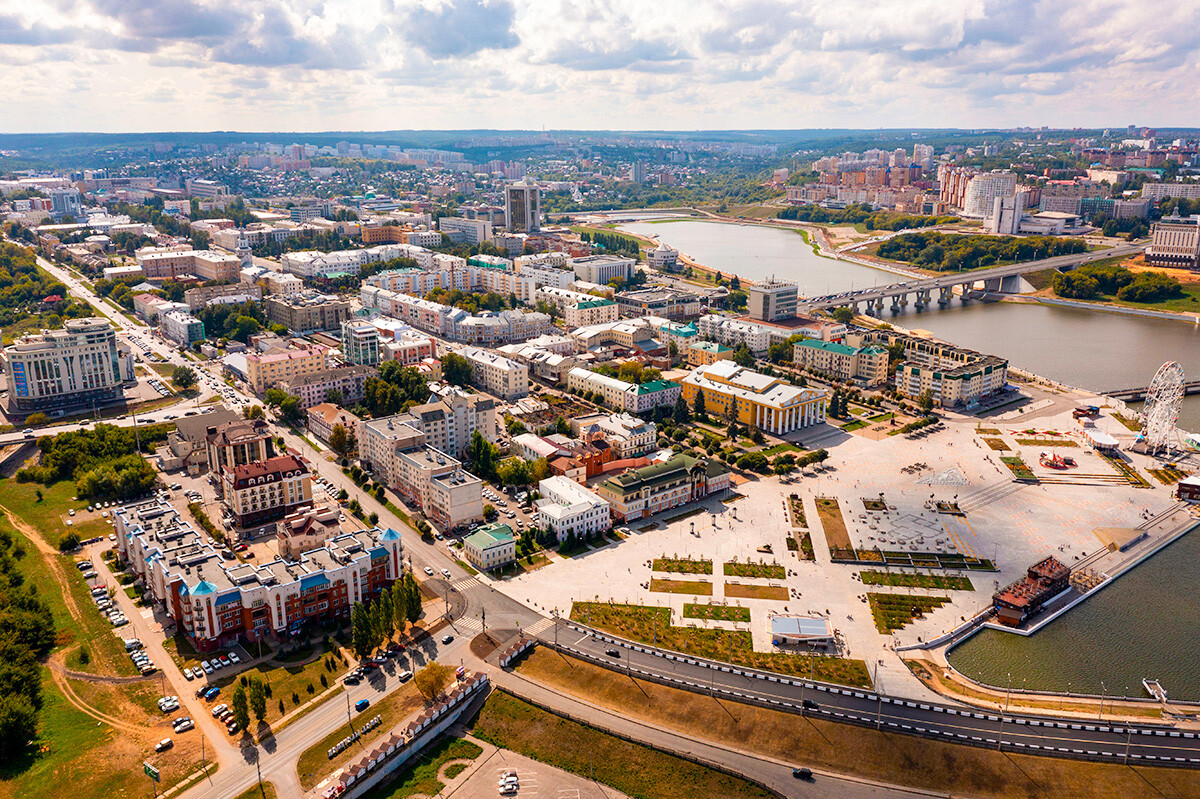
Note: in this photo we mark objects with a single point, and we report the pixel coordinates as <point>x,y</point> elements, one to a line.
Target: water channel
<point>1149,615</point>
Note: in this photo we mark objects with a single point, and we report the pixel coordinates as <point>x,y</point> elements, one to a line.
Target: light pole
<point>879,696</point>
<point>1103,692</point>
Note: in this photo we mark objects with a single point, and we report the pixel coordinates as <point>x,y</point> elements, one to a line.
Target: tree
<point>456,369</point>
<point>673,351</point>
<point>562,427</point>
<point>341,440</point>
<point>489,511</point>
<point>755,462</point>
<point>681,414</point>
<point>843,315</point>
<point>925,401</point>
<point>372,518</point>
<point>360,630</point>
<point>735,284</point>
<point>515,472</point>
<point>399,604</point>
<point>482,457</point>
<point>290,409</point>
<point>414,597</point>
<point>275,396</point>
<point>253,412</point>
<point>18,725</point>
<point>258,699</point>
<point>68,543</point>
<point>387,615</point>
<point>38,494</point>
<point>742,356</point>
<point>36,418</point>
<point>334,395</point>
<point>432,680</point>
<point>240,707</point>
<point>184,377</point>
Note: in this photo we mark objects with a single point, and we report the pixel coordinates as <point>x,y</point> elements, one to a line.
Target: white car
<point>233,656</point>
<point>429,571</point>
<point>187,675</point>
<point>446,573</point>
<point>208,669</point>
<point>183,725</point>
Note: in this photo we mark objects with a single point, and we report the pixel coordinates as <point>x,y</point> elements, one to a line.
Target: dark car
<point>352,679</point>
<point>612,653</point>
<point>810,705</point>
<point>212,693</point>
<point>802,773</point>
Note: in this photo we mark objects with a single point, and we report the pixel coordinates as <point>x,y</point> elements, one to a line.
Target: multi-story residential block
<point>1161,191</point>
<point>953,376</point>
<point>567,508</point>
<point>497,375</point>
<point>305,530</point>
<point>733,332</point>
<point>361,343</point>
<point>703,353</point>
<point>201,297</point>
<point>755,399</point>
<point>78,366</point>
<point>314,388</point>
<point>638,493</point>
<point>281,284</point>
<point>664,303</point>
<point>455,324</point>
<point>182,328</point>
<point>325,416</point>
<point>772,300</point>
<point>627,435</point>
<point>237,442</point>
<point>262,491</point>
<point>603,268</point>
<point>381,440</point>
<point>867,366</point>
<point>208,189</point>
<point>492,546</point>
<point>471,231</point>
<point>447,423</point>
<point>1175,242</point>
<point>215,602</point>
<point>983,189</point>
<point>266,370</point>
<point>204,264</point>
<point>307,312</point>
<point>523,207</point>
<point>592,311</point>
<point>619,394</point>
<point>542,363</point>
<point>447,494</point>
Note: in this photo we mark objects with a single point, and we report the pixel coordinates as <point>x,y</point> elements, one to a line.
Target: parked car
<point>219,709</point>
<point>212,693</point>
<point>362,705</point>
<point>187,675</point>
<point>163,745</point>
<point>183,725</point>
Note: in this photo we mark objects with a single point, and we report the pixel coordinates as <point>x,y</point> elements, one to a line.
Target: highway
<point>1063,737</point>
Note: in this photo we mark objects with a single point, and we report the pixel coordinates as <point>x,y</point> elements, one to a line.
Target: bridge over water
<point>1136,394</point>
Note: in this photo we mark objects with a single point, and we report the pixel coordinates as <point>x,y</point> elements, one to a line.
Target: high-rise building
<point>522,207</point>
<point>772,300</point>
<point>73,367</point>
<point>982,191</point>
<point>1006,214</point>
<point>638,172</point>
<point>66,202</point>
<point>360,343</point>
<point>1175,241</point>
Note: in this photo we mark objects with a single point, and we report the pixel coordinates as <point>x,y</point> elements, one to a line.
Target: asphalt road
<point>1065,737</point>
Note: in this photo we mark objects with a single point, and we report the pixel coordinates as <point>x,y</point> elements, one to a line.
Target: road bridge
<point>1136,394</point>
<point>923,290</point>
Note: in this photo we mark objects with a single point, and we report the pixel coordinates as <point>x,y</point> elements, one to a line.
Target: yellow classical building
<point>765,402</point>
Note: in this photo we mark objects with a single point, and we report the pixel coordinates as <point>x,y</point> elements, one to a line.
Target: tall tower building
<point>523,207</point>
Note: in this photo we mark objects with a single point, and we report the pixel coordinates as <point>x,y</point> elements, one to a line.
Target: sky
<point>318,65</point>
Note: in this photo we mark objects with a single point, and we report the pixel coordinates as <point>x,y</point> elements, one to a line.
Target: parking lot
<point>534,780</point>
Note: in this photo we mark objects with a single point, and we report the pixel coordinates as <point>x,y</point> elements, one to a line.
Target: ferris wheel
<point>1161,411</point>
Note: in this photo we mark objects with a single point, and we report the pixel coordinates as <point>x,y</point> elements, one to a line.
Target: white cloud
<point>384,64</point>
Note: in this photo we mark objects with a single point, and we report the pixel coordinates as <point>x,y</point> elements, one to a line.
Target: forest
<point>954,252</point>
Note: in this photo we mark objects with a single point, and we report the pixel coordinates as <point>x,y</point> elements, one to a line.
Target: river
<point>1090,349</point>
<point>1144,625</point>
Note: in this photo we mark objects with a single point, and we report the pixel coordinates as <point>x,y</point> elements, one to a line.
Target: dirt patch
<point>778,592</point>
<point>830,514</point>
<point>485,644</point>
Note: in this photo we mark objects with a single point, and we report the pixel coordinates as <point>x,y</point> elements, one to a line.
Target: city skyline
<point>106,66</point>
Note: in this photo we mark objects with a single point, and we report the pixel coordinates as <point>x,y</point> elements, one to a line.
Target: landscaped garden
<point>874,504</point>
<point>653,626</point>
<point>997,444</point>
<point>697,610</point>
<point>695,587</point>
<point>796,506</point>
<point>894,611</point>
<point>913,580</point>
<point>830,514</point>
<point>769,571</point>
<point>1019,468</point>
<point>682,565</point>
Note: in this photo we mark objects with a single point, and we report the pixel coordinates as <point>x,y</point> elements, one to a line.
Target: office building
<point>567,508</point>
<point>313,388</point>
<point>1007,211</point>
<point>496,374</point>
<point>215,602</point>
<point>866,366</point>
<point>754,399</point>
<point>490,547</point>
<point>664,303</point>
<point>1175,242</point>
<point>471,231</point>
<point>181,327</point>
<point>627,435</point>
<point>663,258</point>
<point>360,343</point>
<point>266,370</point>
<point>603,268</point>
<point>66,202</point>
<point>200,297</point>
<point>638,493</point>
<point>80,365</point>
<point>207,189</point>
<point>522,207</point>
<point>307,312</point>
<point>236,443</point>
<point>772,300</point>
<point>263,491</point>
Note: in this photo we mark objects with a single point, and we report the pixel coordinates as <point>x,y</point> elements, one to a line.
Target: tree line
<point>949,252</point>
<point>861,213</point>
<point>396,389</point>
<point>104,462</point>
<point>374,622</point>
<point>1105,281</point>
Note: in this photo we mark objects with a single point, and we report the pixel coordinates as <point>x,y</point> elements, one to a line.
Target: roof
<point>803,626</point>
<point>658,473</point>
<point>490,535</point>
<point>726,377</point>
<point>828,346</point>
<point>656,385</point>
<point>280,465</point>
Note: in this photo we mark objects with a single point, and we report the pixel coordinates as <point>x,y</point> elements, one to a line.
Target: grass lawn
<point>770,571</point>
<point>693,610</point>
<point>682,565</point>
<point>777,592</point>
<point>635,770</point>
<point>776,449</point>
<point>845,748</point>
<point>988,431</point>
<point>1046,442</point>
<point>685,515</point>
<point>421,776</point>
<point>1168,476</point>
<point>694,587</point>
<point>857,424</point>
<point>267,791</point>
<point>50,515</point>
<point>796,505</point>
<point>315,764</point>
<point>830,514</point>
<point>1019,468</point>
<point>1133,424</point>
<point>894,611</point>
<point>883,417</point>
<point>912,580</point>
<point>287,683</point>
<point>997,444</point>
<point>653,625</point>
<point>1126,470</point>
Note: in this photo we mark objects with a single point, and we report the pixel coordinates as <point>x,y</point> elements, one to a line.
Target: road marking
<point>539,626</point>
<point>464,583</point>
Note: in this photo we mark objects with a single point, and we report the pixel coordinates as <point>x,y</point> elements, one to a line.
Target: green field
<point>693,587</point>
<point>894,611</point>
<point>692,610</point>
<point>912,580</point>
<point>682,565</point>
<point>770,571</point>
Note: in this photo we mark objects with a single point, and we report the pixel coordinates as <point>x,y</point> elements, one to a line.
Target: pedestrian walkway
<point>465,584</point>
<point>539,627</point>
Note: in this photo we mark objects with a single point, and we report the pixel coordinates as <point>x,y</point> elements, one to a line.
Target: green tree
<point>413,606</point>
<point>843,315</point>
<point>698,407</point>
<point>456,369</point>
<point>680,414</point>
<point>515,472</point>
<point>334,396</point>
<point>483,457</point>
<point>184,377</point>
<point>387,615</point>
<point>925,401</point>
<point>360,630</point>
<point>742,356</point>
<point>258,699</point>
<point>399,604</point>
<point>275,396</point>
<point>290,409</point>
<point>241,707</point>
<point>18,725</point>
<point>341,440</point>
<point>253,412</point>
<point>432,680</point>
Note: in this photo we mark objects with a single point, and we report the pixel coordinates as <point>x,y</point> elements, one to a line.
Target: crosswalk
<point>464,584</point>
<point>539,627</point>
<point>468,624</point>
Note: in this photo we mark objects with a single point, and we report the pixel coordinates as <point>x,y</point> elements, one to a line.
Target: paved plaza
<point>1012,524</point>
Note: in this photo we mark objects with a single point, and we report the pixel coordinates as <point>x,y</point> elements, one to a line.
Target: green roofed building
<point>866,366</point>
<point>490,547</point>
<point>637,493</point>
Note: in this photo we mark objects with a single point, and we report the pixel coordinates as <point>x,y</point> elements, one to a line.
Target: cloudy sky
<point>134,65</point>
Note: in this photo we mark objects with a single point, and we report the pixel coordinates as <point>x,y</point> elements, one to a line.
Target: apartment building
<point>469,231</point>
<point>703,353</point>
<point>361,343</point>
<point>754,399</point>
<point>772,300</point>
<point>78,366</point>
<point>983,189</point>
<point>592,311</point>
<point>447,494</point>
<point>1175,242</point>
<point>455,324</point>
<point>492,546</point>
<point>237,442</point>
<point>262,491</point>
<point>204,264</point>
<point>733,332</point>
<point>200,297</point>
<point>866,366</point>
<point>381,440</point>
<point>603,268</point>
<point>182,328</point>
<point>621,395</point>
<point>266,370</point>
<point>542,363</point>
<point>215,602</point>
<point>496,374</point>
<point>305,530</point>
<point>307,312</point>
<point>313,388</point>
<point>323,417</point>
<point>627,435</point>
<point>954,376</point>
<point>567,508</point>
<point>638,493</point>
<point>1161,191</point>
